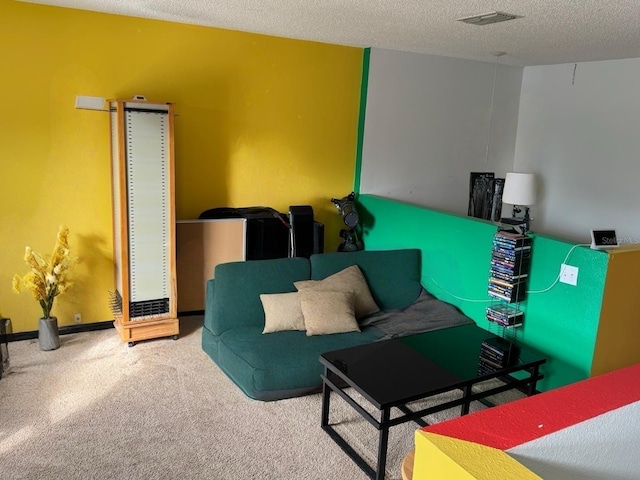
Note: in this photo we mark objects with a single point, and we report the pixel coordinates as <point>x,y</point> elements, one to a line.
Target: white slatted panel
<point>148,189</point>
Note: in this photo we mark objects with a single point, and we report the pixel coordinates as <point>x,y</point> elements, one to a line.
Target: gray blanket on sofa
<point>425,314</point>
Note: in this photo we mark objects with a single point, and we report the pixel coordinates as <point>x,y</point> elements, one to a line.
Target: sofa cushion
<point>393,276</point>
<point>238,286</point>
<point>282,365</point>
<point>282,311</point>
<point>348,280</point>
<point>328,312</point>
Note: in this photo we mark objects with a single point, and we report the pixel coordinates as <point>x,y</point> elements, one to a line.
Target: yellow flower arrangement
<point>48,276</point>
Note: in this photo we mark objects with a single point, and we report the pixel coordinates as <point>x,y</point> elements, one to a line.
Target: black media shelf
<point>508,275</point>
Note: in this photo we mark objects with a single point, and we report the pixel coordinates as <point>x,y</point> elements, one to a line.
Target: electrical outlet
<point>77,318</point>
<point>569,274</point>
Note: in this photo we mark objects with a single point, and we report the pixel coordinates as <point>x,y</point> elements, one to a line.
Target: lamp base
<point>518,224</point>
<point>523,221</point>
<point>512,221</point>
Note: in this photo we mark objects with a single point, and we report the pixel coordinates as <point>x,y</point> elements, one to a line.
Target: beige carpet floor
<point>97,409</point>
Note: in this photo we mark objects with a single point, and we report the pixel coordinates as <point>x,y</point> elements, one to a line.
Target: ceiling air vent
<point>487,18</point>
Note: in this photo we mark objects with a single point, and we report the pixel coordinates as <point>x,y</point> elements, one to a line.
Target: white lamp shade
<point>519,189</point>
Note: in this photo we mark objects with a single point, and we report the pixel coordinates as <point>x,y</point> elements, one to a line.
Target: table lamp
<point>520,191</point>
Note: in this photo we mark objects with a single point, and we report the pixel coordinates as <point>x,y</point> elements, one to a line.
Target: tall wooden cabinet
<point>142,152</point>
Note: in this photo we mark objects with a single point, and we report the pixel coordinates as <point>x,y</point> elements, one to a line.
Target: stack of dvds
<point>510,260</point>
<point>504,315</point>
<point>496,354</point>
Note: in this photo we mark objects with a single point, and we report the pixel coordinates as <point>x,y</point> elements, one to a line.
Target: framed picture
<point>496,200</point>
<point>481,185</point>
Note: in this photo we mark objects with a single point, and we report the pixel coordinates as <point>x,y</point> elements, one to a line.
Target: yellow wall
<point>261,121</point>
<point>619,327</point>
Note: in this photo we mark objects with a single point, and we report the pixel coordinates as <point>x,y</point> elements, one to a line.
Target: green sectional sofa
<point>285,364</point>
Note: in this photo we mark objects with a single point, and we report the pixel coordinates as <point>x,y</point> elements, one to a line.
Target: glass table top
<point>394,372</point>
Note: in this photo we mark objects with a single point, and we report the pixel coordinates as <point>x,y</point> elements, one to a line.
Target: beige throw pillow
<point>282,312</point>
<point>328,312</point>
<point>350,279</point>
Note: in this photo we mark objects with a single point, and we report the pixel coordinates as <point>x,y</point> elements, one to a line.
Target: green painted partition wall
<point>561,322</point>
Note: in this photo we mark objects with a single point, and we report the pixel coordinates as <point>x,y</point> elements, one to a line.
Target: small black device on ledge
<point>604,239</point>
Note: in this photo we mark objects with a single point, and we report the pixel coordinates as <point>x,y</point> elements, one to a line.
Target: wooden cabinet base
<point>139,330</point>
<point>407,466</point>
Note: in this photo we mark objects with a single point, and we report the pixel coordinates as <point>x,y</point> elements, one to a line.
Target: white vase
<point>48,333</point>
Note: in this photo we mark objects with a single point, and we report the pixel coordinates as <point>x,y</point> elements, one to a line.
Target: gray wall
<point>581,135</point>
<point>427,124</point>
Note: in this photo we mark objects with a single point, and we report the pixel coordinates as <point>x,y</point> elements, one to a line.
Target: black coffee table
<point>393,373</point>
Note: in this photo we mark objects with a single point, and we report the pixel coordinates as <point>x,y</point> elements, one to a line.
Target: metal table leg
<point>534,380</point>
<point>326,397</point>
<point>467,402</point>
<point>382,444</point>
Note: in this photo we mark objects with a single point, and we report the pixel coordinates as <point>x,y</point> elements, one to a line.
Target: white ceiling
<point>558,31</point>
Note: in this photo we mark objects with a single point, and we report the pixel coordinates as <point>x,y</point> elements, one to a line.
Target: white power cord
<point>564,263</point>
<point>456,296</point>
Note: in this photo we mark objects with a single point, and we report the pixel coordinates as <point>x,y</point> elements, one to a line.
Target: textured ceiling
<point>560,31</point>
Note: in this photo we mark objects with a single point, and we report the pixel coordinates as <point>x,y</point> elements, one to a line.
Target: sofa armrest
<point>209,321</point>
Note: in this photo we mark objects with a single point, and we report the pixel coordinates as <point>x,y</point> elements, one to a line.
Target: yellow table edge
<point>441,457</point>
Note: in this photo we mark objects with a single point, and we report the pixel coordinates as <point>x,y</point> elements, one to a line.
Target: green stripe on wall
<point>364,85</point>
<point>561,323</point>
